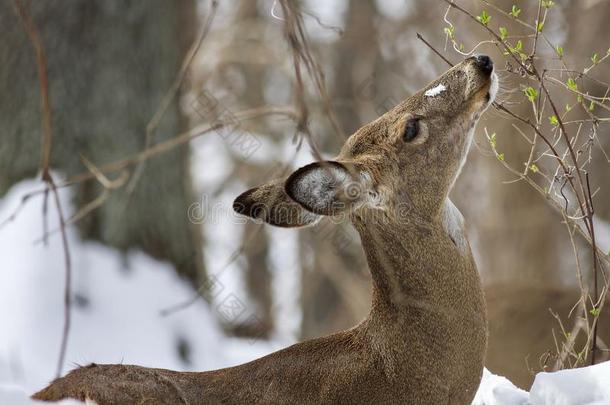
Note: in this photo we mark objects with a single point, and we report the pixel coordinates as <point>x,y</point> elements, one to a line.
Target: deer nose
<point>484,63</point>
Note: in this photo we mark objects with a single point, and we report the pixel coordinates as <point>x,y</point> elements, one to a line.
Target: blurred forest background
<point>110,65</point>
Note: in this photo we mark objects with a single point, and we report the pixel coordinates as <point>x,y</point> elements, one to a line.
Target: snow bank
<point>496,390</point>
<point>581,386</point>
<point>587,385</point>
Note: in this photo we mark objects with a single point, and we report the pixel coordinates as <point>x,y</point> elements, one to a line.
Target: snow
<point>496,390</point>
<point>588,385</point>
<point>116,317</point>
<point>435,91</point>
<point>582,386</point>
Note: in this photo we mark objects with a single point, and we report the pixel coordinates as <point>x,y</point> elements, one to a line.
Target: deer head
<point>402,164</point>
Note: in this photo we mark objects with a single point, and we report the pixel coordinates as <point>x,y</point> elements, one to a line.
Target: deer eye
<point>411,130</point>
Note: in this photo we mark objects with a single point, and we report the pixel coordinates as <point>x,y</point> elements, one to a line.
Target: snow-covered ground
<point>587,385</point>
<point>116,318</point>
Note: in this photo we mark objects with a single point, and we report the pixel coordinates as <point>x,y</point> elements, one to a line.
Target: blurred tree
<point>583,39</point>
<point>109,65</point>
<point>249,27</point>
<point>331,258</point>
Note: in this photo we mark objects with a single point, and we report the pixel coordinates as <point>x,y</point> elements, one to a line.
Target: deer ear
<point>326,188</point>
<point>270,204</point>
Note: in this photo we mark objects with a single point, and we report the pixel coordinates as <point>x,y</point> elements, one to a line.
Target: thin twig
<point>67,281</point>
<point>156,150</point>
<point>299,43</point>
<point>440,55</point>
<point>595,275</point>
<point>34,36</point>
<point>180,139</point>
<point>108,186</point>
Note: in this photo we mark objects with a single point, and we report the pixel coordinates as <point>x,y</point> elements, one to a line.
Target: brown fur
<point>424,339</point>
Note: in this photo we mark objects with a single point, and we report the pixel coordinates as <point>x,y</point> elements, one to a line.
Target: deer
<point>424,339</point>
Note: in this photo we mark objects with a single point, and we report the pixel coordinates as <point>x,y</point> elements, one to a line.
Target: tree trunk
<point>256,267</point>
<point>337,258</point>
<point>109,65</point>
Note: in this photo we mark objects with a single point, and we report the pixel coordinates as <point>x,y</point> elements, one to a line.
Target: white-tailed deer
<point>425,337</point>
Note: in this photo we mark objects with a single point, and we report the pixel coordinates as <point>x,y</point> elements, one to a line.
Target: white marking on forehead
<point>435,91</point>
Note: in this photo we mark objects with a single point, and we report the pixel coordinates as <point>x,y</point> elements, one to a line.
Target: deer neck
<point>421,267</point>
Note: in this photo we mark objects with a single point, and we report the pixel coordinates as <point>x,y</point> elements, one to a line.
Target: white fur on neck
<point>467,144</point>
<point>493,88</point>
<point>453,223</point>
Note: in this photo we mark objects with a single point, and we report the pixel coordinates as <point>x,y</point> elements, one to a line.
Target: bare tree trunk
<point>326,304</point>
<point>583,40</point>
<point>109,65</point>
<point>256,268</point>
